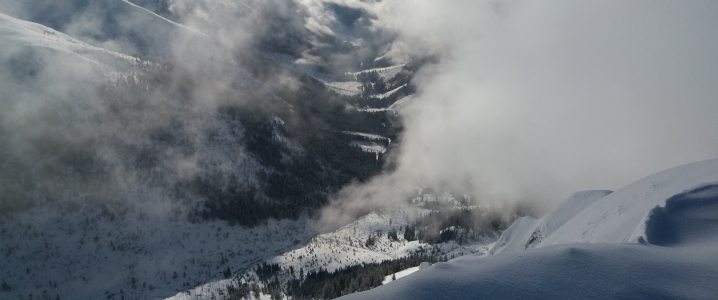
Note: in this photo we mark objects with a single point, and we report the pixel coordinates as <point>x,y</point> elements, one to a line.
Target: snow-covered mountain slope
<point>347,246</point>
<point>527,232</point>
<point>117,25</point>
<point>20,38</point>
<point>622,216</point>
<point>618,217</point>
<point>656,238</point>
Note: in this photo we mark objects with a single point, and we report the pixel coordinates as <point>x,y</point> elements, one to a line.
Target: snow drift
<point>656,238</point>
<point>579,271</point>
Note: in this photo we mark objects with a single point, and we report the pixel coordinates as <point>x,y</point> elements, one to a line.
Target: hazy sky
<point>534,100</point>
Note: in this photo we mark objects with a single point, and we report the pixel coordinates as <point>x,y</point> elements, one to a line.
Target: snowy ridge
<point>600,217</point>
<point>621,216</point>
<point>18,33</point>
<point>656,238</point>
<point>528,232</point>
<point>167,20</point>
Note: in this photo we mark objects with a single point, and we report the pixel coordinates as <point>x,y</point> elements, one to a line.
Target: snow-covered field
<point>656,238</point>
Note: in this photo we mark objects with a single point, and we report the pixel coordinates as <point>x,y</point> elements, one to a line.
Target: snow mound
<point>580,271</point>
<point>528,232</point>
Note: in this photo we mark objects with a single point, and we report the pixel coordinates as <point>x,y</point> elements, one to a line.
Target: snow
<point>397,105</point>
<point>401,103</point>
<point>156,16</point>
<point>621,216</point>
<point>368,135</point>
<point>400,274</point>
<point>82,250</point>
<point>385,74</point>
<point>528,232</point>
<point>345,246</point>
<point>389,93</point>
<point>656,238</point>
<point>372,147</point>
<point>17,34</point>
<point>577,271</point>
<point>92,257</point>
<point>347,88</point>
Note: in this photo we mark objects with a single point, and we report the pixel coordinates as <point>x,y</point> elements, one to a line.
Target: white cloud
<point>535,100</point>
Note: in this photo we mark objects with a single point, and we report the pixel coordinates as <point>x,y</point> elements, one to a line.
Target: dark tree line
<point>461,224</point>
<point>322,284</point>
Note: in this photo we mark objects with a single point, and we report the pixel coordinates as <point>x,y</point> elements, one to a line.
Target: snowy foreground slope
<point>656,238</point>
